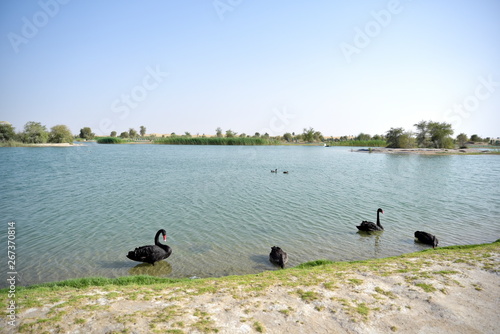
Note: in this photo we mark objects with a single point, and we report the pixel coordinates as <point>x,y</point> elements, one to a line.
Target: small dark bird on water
<point>274,171</point>
<point>278,256</point>
<point>426,238</point>
<point>367,226</point>
<point>152,253</point>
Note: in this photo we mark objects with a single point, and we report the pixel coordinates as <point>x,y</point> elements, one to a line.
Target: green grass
<point>216,141</point>
<point>110,140</point>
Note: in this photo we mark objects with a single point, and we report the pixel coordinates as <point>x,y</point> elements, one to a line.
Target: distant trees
<point>475,138</point>
<point>288,137</point>
<point>230,133</point>
<point>462,140</point>
<point>363,136</point>
<point>34,133</point>
<point>87,134</point>
<point>218,132</point>
<point>142,130</point>
<point>60,134</point>
<point>113,134</point>
<point>124,134</point>
<point>434,134</point>
<point>132,133</point>
<point>7,132</point>
<point>399,138</point>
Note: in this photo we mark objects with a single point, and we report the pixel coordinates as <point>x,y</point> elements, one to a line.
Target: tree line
<point>37,133</point>
<point>428,134</point>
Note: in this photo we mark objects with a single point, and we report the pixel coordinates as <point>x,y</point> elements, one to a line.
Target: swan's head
<point>380,210</point>
<point>164,234</point>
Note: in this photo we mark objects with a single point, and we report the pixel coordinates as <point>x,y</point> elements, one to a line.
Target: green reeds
<point>216,141</point>
<point>110,140</point>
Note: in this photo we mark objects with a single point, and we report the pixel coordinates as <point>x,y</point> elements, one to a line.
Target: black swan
<point>152,253</point>
<point>278,256</point>
<point>285,172</point>
<point>369,226</point>
<point>274,171</point>
<point>426,238</point>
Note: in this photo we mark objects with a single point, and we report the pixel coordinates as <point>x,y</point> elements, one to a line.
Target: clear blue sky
<point>341,67</point>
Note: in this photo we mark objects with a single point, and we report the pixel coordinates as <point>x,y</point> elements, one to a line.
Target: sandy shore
<point>436,291</point>
<point>426,150</point>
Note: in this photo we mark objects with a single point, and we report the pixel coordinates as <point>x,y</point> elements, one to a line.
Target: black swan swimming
<point>274,171</point>
<point>426,238</point>
<point>369,226</point>
<point>278,256</point>
<point>152,253</point>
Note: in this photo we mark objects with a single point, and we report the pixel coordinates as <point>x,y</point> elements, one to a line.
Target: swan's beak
<point>164,238</point>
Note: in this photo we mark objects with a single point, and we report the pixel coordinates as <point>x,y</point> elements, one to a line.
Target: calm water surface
<point>79,210</point>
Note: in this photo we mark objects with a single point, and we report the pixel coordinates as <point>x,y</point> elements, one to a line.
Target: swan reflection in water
<point>375,234</point>
<point>160,269</point>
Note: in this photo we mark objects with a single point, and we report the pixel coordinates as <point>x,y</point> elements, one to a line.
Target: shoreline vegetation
<point>429,134</point>
<point>447,289</point>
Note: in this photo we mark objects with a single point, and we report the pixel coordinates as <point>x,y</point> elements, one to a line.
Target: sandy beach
<point>435,291</point>
<point>427,151</point>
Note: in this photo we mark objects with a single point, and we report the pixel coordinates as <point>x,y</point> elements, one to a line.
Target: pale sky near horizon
<point>340,67</point>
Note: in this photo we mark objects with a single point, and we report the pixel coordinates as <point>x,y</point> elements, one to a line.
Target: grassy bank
<point>319,293</point>
<point>216,141</point>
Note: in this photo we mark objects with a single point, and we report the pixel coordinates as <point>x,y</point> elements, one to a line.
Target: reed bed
<point>216,141</point>
<point>110,140</point>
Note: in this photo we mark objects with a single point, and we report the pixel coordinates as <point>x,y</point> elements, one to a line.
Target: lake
<point>79,210</point>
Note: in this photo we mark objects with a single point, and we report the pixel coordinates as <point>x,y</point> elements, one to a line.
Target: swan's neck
<point>378,219</point>
<point>157,239</point>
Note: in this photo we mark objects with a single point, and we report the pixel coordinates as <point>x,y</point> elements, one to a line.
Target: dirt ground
<point>436,293</point>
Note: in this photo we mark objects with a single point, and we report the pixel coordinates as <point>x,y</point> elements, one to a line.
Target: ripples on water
<point>79,210</point>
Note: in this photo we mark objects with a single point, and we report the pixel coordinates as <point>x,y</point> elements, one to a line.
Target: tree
<point>187,134</point>
<point>218,132</point>
<point>7,132</point>
<point>124,134</point>
<point>308,135</point>
<point>475,138</point>
<point>462,140</point>
<point>440,134</point>
<point>422,135</point>
<point>34,133</point>
<point>392,136</point>
<point>230,134</point>
<point>256,135</point>
<point>86,133</point>
<point>287,136</point>
<point>363,136</point>
<point>113,134</point>
<point>142,130</point>
<point>132,133</point>
<point>60,134</point>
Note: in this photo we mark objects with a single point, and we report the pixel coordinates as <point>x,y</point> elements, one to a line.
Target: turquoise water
<point>79,210</point>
